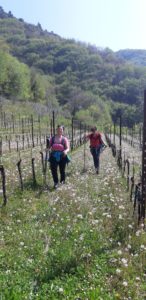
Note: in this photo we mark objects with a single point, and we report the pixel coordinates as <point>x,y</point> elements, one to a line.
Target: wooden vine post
<point>72,134</point>
<point>2,170</point>
<point>33,168</point>
<point>143,201</point>
<point>20,174</point>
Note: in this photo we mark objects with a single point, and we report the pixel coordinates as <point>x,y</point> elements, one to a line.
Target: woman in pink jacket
<point>59,146</point>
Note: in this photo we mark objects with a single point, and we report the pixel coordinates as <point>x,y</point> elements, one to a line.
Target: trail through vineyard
<point>80,241</point>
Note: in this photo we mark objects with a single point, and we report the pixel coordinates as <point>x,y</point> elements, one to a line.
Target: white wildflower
<point>121,207</point>
<point>125,283</point>
<point>30,260</point>
<point>137,278</point>
<point>118,271</point>
<point>81,238</point>
<point>120,217</point>
<point>104,214</point>
<point>21,244</point>
<point>138,233</point>
<point>124,261</point>
<point>136,255</point>
<point>79,216</point>
<point>130,226</point>
<point>109,216</point>
<point>60,290</point>
<point>142,247</point>
<point>95,222</point>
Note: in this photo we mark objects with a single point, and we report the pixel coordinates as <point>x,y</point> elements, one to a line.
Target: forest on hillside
<point>73,78</point>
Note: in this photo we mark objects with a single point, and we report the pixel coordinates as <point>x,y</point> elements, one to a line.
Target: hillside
<point>79,79</point>
<point>134,56</point>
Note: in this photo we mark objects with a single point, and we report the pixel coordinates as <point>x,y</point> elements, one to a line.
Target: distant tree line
<point>84,81</point>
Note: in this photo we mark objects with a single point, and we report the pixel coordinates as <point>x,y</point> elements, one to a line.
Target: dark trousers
<point>95,153</point>
<point>54,169</point>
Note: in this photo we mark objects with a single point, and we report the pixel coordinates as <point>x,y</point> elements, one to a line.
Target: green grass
<point>79,242</point>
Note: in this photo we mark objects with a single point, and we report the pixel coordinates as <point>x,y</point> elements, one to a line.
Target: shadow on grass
<point>30,185</point>
<point>83,171</point>
<point>68,173</point>
<point>36,187</point>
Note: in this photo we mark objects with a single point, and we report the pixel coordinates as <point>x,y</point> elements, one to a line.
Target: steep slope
<point>78,76</point>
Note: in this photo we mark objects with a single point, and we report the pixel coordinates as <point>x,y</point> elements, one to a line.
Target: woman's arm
<point>67,146</point>
<point>50,144</point>
<point>87,136</point>
<point>102,142</point>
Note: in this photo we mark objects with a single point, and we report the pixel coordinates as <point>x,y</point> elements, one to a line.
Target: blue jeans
<point>95,153</point>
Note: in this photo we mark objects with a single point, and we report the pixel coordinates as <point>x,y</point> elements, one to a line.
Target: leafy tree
<point>14,77</point>
<point>41,66</point>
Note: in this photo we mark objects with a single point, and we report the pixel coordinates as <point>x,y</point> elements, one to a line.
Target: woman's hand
<point>65,152</point>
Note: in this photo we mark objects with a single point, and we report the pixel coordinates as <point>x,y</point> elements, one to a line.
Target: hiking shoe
<point>62,182</point>
<point>56,186</point>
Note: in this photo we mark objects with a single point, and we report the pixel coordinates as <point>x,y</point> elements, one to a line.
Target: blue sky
<point>117,24</point>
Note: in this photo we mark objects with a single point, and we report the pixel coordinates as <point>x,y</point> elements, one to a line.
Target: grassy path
<point>80,242</point>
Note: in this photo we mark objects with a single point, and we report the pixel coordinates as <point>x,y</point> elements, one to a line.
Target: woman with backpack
<point>96,144</point>
<point>59,147</point>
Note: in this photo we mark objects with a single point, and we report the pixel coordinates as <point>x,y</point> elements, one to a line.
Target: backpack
<point>62,141</point>
<point>57,156</point>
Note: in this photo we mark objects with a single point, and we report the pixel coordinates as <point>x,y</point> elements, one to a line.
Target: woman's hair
<point>60,126</point>
<point>93,128</point>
